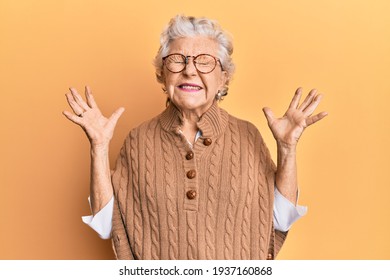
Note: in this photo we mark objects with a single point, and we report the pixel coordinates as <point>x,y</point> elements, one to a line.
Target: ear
<point>224,79</point>
<point>162,76</point>
<point>163,82</point>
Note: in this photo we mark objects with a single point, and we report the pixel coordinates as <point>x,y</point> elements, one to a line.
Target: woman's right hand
<point>98,128</point>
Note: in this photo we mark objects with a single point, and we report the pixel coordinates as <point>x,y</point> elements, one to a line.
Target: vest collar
<point>212,123</point>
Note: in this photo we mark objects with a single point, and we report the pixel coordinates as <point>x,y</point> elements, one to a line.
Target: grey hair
<point>182,26</point>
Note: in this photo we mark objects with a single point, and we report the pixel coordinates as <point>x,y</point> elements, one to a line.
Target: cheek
<point>170,89</point>
<point>212,83</point>
<point>169,79</point>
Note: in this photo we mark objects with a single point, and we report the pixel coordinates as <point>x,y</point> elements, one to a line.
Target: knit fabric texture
<point>210,201</point>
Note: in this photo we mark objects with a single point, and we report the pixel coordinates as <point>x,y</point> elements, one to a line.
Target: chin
<point>188,106</point>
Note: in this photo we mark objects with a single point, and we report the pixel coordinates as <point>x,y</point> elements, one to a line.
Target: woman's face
<point>190,90</point>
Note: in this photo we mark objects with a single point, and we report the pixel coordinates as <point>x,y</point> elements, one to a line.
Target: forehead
<point>194,45</point>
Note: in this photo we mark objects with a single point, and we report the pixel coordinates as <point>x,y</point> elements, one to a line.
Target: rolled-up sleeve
<point>285,212</point>
<point>102,221</point>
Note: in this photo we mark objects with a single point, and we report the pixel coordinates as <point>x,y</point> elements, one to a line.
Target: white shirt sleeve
<point>102,221</point>
<point>285,212</point>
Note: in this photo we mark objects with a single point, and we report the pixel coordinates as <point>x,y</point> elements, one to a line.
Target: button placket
<point>190,190</point>
<point>191,177</point>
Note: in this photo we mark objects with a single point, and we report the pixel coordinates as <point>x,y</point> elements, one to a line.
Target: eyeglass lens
<point>204,63</point>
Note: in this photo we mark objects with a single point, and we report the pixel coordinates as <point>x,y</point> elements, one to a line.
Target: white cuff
<point>102,221</point>
<point>285,212</point>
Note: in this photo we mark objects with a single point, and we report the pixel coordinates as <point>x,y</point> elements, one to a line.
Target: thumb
<point>269,115</point>
<point>116,115</point>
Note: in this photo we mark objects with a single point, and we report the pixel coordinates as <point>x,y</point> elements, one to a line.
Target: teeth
<point>191,87</point>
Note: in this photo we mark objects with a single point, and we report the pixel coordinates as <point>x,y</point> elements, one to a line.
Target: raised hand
<point>98,128</point>
<point>288,129</point>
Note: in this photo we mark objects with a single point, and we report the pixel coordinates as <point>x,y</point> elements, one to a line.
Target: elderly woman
<point>194,182</point>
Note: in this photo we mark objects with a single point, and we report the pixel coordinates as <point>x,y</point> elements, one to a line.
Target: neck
<point>189,126</point>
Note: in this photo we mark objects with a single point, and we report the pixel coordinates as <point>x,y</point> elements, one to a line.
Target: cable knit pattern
<point>263,202</point>
<point>123,180</point>
<point>170,192</point>
<point>232,206</point>
<point>150,192</point>
<point>215,202</point>
<point>245,245</point>
<point>136,195</point>
<point>211,215</point>
<point>191,236</point>
<point>120,240</point>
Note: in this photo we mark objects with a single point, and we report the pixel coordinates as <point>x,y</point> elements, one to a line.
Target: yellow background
<point>340,47</point>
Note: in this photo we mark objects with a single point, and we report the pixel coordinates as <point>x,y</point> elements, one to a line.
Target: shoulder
<point>243,125</point>
<point>137,137</point>
<point>143,127</point>
<point>245,128</point>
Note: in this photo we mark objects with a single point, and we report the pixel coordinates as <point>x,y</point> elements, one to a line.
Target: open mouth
<point>190,87</point>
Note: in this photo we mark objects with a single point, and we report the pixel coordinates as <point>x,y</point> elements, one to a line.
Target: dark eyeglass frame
<point>186,61</point>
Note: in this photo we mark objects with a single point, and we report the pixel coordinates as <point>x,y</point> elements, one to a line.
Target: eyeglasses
<point>204,63</point>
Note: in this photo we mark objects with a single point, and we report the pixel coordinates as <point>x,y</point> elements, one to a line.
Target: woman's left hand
<point>288,129</point>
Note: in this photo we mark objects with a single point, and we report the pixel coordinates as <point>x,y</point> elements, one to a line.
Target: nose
<point>190,68</point>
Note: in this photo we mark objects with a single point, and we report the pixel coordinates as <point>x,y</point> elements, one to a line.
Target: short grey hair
<point>182,26</point>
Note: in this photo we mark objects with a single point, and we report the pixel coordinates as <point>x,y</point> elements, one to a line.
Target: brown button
<point>189,155</point>
<point>270,257</point>
<point>191,194</point>
<point>207,142</point>
<point>191,174</point>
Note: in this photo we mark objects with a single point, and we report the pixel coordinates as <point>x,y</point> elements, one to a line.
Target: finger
<point>269,115</point>
<point>72,117</point>
<point>297,97</point>
<point>313,119</point>
<point>313,105</point>
<point>308,99</point>
<point>73,104</point>
<point>116,115</point>
<point>90,100</point>
<point>79,99</point>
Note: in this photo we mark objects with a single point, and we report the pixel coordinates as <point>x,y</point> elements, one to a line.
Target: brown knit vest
<point>214,201</point>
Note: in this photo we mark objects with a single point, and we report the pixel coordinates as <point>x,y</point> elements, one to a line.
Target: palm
<point>289,128</point>
<point>98,128</point>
